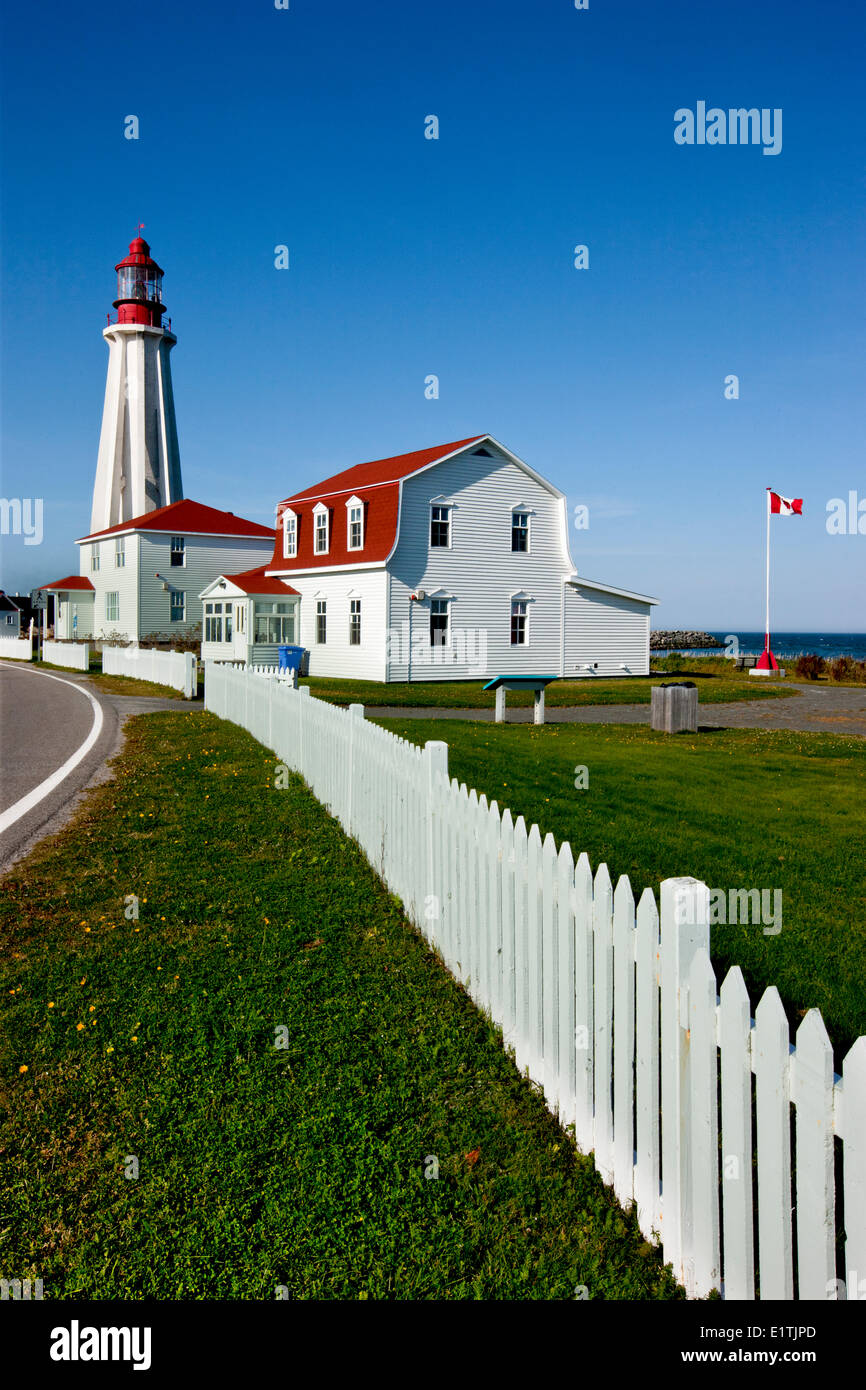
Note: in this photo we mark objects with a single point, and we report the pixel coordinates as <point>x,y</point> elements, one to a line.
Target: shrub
<point>810,667</point>
<point>845,668</point>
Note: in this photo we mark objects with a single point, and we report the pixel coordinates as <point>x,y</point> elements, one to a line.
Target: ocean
<point>791,644</point>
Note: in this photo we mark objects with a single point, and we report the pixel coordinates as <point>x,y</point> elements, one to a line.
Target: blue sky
<point>408,257</point>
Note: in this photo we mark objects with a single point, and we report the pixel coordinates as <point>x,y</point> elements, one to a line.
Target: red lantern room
<point>139,287</point>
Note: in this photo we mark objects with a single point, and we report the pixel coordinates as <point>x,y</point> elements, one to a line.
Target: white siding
<point>337,658</point>
<point>110,579</point>
<point>605,628</point>
<point>207,557</point>
<point>480,569</point>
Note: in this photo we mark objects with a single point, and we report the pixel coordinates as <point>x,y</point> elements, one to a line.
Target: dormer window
<point>290,534</point>
<point>321,519</point>
<point>355,523</point>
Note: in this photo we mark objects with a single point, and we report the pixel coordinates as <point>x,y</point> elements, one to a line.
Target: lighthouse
<point>138,466</point>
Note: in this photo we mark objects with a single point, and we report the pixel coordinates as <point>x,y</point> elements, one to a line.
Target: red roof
<point>188,518</point>
<point>378,485</point>
<point>257,582</point>
<point>72,581</point>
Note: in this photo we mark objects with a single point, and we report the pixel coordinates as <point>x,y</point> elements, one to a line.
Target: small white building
<point>447,563</point>
<point>10,616</point>
<point>247,617</point>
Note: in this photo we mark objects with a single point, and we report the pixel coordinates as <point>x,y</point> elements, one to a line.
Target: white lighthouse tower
<point>138,468</point>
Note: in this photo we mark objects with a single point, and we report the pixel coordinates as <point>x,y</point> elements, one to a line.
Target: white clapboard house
<point>144,576</point>
<point>446,563</point>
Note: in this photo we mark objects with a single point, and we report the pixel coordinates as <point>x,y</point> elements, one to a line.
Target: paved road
<point>817,709</point>
<point>47,720</point>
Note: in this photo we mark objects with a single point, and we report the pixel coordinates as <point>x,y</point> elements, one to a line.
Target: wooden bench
<point>537,684</point>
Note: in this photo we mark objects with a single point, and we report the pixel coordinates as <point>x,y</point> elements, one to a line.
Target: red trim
<point>256,582</point>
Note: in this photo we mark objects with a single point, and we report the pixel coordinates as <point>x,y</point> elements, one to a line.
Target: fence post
<point>355,712</point>
<point>436,758</point>
<point>685,930</point>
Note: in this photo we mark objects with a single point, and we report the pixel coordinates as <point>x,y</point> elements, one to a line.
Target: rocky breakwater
<point>682,640</point>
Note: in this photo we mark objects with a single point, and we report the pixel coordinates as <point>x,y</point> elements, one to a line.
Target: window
<point>290,534</point>
<point>112,607</point>
<point>322,519</point>
<point>439,628</point>
<point>213,622</point>
<point>321,621</point>
<point>229,616</point>
<point>273,621</point>
<point>94,558</point>
<point>241,617</point>
<point>10,620</point>
<point>120,552</point>
<point>178,550</point>
<point>520,531</point>
<point>355,523</point>
<point>178,606</point>
<point>519,623</point>
<point>354,622</point>
<point>440,526</point>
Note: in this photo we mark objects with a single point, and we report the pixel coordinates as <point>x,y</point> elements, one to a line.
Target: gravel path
<point>816,709</point>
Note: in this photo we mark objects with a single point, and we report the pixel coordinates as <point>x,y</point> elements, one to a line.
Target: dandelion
<point>109,1048</point>
<point>78,1027</point>
<point>23,1069</point>
<point>51,1003</point>
<point>134,1038</point>
<point>92,1009</point>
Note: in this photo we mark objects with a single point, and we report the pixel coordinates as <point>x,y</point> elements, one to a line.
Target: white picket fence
<point>16,648</point>
<point>613,1010</point>
<point>75,655</point>
<point>175,669</point>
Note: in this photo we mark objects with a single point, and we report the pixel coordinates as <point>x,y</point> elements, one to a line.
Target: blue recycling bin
<point>292,658</point>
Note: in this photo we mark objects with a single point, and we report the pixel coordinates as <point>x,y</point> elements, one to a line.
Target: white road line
<point>20,808</point>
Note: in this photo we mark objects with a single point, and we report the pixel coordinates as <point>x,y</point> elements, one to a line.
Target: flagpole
<point>767,628</point>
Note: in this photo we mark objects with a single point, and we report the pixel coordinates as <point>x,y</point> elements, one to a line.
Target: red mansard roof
<point>72,581</point>
<point>188,518</point>
<point>378,485</point>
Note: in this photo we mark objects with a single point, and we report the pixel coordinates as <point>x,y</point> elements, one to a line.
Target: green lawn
<point>258,1167</point>
<point>715,677</point>
<point>737,808</point>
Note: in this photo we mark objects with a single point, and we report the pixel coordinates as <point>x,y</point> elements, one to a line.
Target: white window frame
<point>354,504</point>
<point>447,608</point>
<point>440,504</point>
<point>355,611</point>
<point>120,552</point>
<point>290,533</point>
<point>525,602</point>
<point>213,622</point>
<point>321,615</point>
<point>115,595</point>
<point>522,511</point>
<point>177,550</point>
<point>94,558</point>
<point>173,596</point>
<point>321,514</point>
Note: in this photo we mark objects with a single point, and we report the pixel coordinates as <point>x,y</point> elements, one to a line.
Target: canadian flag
<point>785,506</point>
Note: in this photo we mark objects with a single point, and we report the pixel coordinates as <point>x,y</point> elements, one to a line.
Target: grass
<point>735,807</point>
<point>303,1166</point>
<point>717,682</point>
<point>116,685</point>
